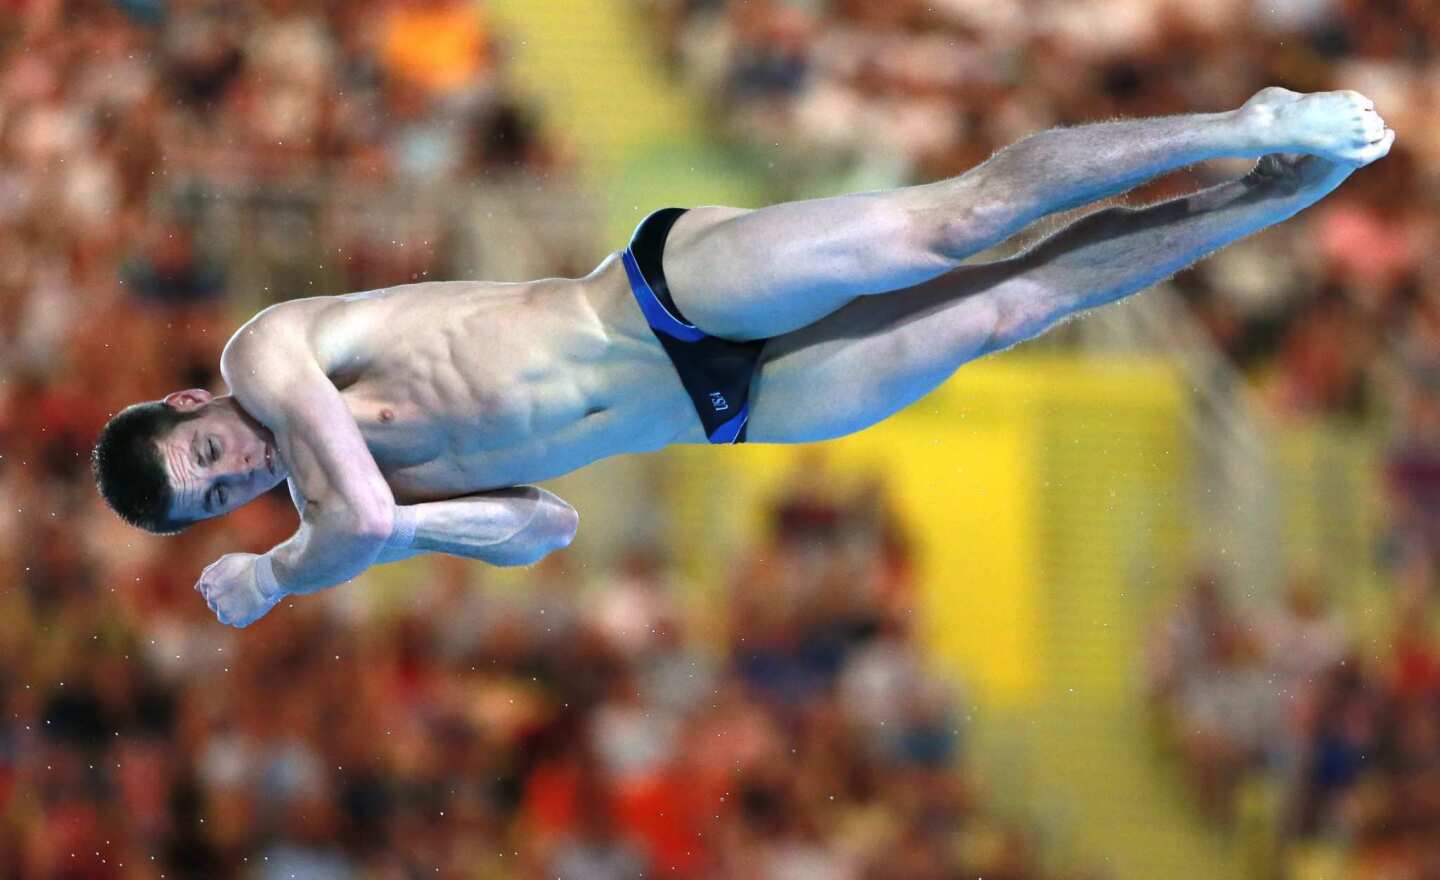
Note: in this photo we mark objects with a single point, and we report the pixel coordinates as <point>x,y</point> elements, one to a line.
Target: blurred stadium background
<point>1151,597</point>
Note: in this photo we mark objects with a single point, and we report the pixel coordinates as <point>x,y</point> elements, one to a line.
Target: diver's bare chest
<point>498,390</point>
<point>426,455</point>
<point>433,446</point>
<point>394,432</point>
<point>409,428</point>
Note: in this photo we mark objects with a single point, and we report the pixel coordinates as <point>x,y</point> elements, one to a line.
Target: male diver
<point>404,417</point>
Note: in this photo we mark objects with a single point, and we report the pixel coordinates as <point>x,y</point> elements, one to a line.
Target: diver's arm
<point>349,510</point>
<point>517,526</point>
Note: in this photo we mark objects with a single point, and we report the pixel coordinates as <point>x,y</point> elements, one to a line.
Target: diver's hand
<point>233,591</point>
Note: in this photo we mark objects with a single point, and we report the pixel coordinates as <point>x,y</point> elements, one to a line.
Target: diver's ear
<point>189,399</point>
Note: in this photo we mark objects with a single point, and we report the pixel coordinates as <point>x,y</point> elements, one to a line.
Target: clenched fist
<point>233,591</point>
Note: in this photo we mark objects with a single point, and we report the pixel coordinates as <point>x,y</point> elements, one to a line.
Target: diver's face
<point>219,461</point>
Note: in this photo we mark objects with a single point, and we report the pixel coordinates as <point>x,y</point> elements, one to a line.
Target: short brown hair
<point>129,471</point>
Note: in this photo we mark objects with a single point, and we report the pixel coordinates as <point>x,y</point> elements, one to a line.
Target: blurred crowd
<point>126,127</point>
<point>1286,697</point>
<point>128,130</point>
<point>1333,316</point>
<point>1336,312</point>
<point>583,723</point>
<point>576,723</point>
<point>569,726</point>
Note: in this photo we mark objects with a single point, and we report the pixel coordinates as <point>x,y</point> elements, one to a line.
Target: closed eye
<point>214,451</point>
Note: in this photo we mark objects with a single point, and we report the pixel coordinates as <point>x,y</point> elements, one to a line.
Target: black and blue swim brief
<point>717,373</point>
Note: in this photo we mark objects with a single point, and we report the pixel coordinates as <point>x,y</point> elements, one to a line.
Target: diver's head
<point>165,464</point>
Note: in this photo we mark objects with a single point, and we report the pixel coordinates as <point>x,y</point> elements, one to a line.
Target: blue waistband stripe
<point>727,432</point>
<point>655,312</point>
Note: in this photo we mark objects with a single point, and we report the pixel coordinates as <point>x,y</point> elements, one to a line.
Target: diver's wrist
<point>402,533</point>
<point>265,579</point>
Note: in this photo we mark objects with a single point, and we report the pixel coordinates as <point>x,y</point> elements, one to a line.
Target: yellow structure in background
<point>1048,502</point>
<point>1017,481</point>
<point>641,140</point>
<point>958,468</point>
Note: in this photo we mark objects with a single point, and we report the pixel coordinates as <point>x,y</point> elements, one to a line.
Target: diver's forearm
<point>509,527</point>
<point>390,554</point>
<point>323,554</point>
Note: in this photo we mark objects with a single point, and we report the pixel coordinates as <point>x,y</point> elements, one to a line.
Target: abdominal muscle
<point>453,473</point>
<point>464,387</point>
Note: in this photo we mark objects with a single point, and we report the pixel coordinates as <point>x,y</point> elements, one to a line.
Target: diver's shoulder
<point>284,325</point>
<point>291,311</point>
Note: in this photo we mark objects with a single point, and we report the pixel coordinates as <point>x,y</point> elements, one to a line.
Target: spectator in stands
<point>171,750</point>
<point>443,47</point>
<point>1189,639</point>
<point>947,84</point>
<point>1300,639</point>
<point>170,270</point>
